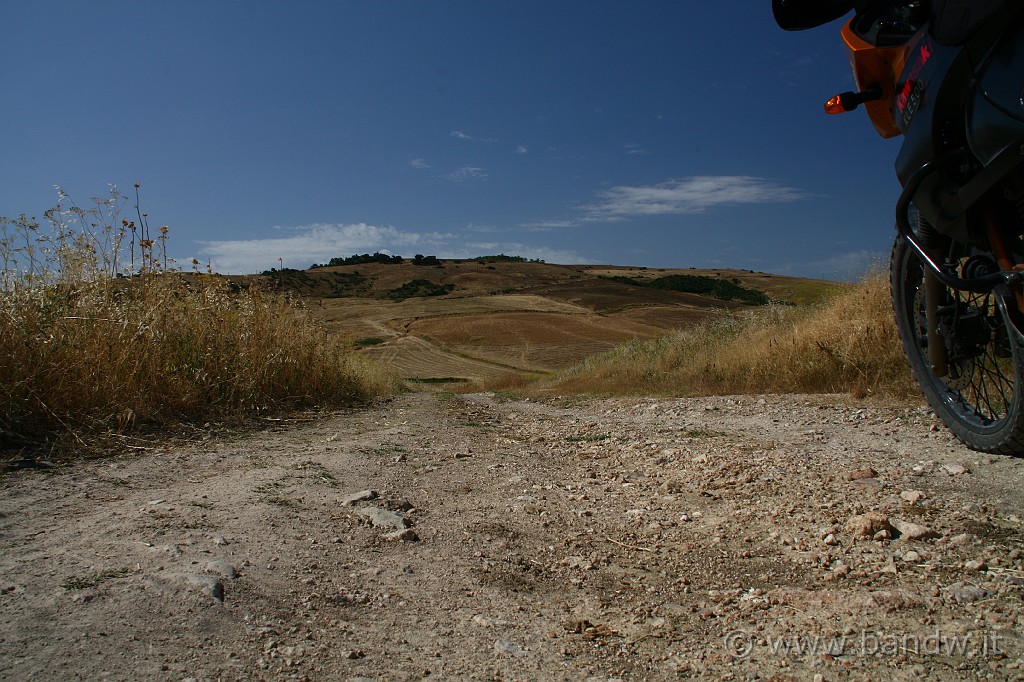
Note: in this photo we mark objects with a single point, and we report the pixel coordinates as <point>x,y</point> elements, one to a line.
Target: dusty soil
<point>782,537</point>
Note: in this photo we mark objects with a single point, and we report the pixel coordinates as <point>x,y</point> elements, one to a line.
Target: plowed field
<point>513,317</point>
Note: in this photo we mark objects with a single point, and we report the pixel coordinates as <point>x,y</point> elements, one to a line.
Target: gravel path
<point>474,537</point>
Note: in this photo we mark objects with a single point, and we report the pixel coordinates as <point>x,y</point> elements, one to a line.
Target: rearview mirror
<point>797,15</point>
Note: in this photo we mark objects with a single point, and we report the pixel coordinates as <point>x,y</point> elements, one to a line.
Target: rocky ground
<point>475,537</point>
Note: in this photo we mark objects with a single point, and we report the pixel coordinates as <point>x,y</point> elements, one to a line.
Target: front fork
<point>934,295</point>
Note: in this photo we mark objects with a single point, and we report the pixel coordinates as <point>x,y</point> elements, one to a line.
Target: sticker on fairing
<point>911,93</point>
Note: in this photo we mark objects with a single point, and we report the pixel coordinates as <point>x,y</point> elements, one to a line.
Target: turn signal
<point>848,101</point>
<point>835,106</point>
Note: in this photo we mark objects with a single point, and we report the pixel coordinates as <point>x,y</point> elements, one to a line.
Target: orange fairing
<point>876,66</point>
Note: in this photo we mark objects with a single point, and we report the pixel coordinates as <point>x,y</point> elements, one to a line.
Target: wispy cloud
<point>310,244</point>
<point>419,163</point>
<point>463,135</point>
<point>550,224</point>
<point>522,149</point>
<point>689,195</point>
<point>466,173</point>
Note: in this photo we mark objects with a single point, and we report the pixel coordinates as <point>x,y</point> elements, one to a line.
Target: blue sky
<point>660,133</point>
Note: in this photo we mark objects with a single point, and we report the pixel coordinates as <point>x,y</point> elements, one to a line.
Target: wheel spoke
<point>985,393</point>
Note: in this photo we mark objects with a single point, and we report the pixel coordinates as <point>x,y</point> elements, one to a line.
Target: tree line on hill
<point>698,284</point>
<point>377,257</point>
<point>418,259</point>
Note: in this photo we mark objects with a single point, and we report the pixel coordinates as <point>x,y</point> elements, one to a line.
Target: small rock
<point>504,646</point>
<point>912,496</point>
<point>975,565</point>
<point>384,518</point>
<point>404,505</point>
<point>219,540</point>
<point>831,540</point>
<point>361,496</point>
<point>576,561</point>
<point>966,594</point>
<point>913,531</point>
<point>858,474</point>
<point>962,539</point>
<point>223,568</point>
<point>868,525</point>
<point>353,655</point>
<point>405,535</point>
<point>954,469</point>
<point>208,585</point>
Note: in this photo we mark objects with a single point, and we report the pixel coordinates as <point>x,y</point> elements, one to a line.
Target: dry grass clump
<point>101,334</point>
<point>847,344</point>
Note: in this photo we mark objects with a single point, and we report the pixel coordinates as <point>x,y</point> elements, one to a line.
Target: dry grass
<point>846,344</point>
<point>102,336</point>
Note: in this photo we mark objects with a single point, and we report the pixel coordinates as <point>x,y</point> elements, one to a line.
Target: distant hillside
<point>446,321</point>
<point>379,276</point>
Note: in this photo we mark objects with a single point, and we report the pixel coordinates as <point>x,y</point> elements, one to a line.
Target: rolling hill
<point>480,318</point>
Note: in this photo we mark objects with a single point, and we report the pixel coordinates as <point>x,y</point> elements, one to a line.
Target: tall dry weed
<point>102,334</point>
<point>847,344</point>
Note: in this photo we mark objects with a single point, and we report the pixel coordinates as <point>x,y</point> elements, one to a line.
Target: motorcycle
<point>948,75</point>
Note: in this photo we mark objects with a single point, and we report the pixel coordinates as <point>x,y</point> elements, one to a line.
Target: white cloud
<point>419,163</point>
<point>318,243</point>
<point>550,224</point>
<point>312,244</point>
<point>690,195</point>
<point>466,173</point>
<point>522,149</point>
<point>462,135</point>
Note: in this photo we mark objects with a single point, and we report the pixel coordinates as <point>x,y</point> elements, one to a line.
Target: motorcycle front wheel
<point>981,396</point>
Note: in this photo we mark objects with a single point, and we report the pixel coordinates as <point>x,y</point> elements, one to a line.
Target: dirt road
<point>473,537</point>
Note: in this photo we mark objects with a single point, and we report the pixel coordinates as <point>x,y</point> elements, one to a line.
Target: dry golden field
<point>503,317</point>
